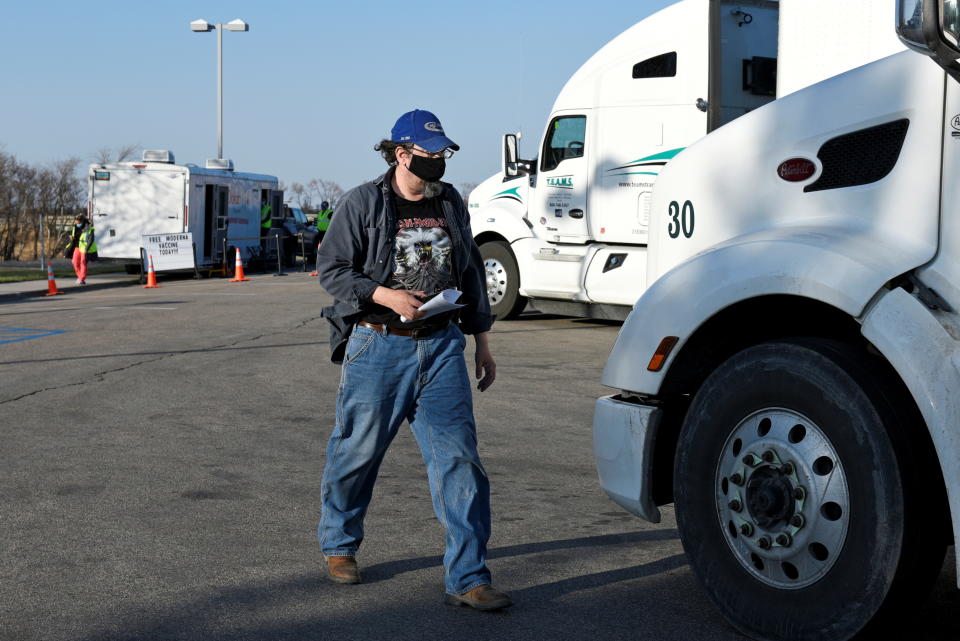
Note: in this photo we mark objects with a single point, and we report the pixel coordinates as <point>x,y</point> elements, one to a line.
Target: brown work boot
<point>342,569</point>
<point>482,597</point>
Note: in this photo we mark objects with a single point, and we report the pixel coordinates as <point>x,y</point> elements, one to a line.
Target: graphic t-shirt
<point>423,255</point>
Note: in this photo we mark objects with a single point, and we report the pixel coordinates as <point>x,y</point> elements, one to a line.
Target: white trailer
<point>128,200</point>
<point>789,379</point>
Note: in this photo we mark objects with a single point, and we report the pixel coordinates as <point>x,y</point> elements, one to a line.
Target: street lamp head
<point>200,25</point>
<point>237,25</point>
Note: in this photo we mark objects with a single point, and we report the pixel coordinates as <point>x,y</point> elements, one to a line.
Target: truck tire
<point>805,506</point>
<point>503,280</point>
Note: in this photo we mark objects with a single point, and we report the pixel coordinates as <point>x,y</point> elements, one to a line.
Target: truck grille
<point>860,157</point>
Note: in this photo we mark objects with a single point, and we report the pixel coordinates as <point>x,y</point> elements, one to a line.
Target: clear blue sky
<point>308,90</point>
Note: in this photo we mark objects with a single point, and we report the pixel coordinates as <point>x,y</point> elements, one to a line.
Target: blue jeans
<point>385,380</point>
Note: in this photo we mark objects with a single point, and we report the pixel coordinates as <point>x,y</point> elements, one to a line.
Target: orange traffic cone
<point>151,276</point>
<point>51,283</point>
<point>238,271</point>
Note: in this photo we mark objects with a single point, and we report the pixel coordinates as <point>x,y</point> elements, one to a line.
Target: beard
<point>432,188</point>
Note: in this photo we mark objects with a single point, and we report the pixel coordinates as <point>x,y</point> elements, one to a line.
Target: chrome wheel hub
<point>782,498</point>
<point>496,280</point>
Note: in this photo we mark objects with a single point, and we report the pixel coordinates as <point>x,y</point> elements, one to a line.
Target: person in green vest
<point>323,216</point>
<point>266,221</point>
<point>82,247</point>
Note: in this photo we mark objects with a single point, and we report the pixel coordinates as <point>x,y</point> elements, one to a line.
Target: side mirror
<point>931,27</point>
<point>510,166</point>
<point>950,23</point>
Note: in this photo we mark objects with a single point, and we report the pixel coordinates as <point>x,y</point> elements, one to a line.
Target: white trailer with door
<point>219,207</point>
<point>789,379</point>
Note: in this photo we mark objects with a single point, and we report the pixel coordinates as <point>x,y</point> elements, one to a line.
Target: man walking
<point>393,244</point>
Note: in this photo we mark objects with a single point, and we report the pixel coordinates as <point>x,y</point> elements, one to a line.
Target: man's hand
<point>402,301</point>
<point>486,367</point>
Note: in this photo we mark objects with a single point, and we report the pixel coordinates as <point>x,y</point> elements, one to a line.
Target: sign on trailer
<point>169,251</point>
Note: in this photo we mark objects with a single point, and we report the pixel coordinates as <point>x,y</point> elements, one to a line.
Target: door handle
<point>576,213</point>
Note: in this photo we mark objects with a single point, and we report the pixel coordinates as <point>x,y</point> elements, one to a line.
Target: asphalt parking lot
<point>161,458</point>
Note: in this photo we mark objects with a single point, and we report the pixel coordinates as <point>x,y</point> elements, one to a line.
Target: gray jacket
<point>356,256</point>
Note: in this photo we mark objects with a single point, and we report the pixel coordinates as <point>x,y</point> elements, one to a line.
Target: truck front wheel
<point>804,499</point>
<point>503,280</point>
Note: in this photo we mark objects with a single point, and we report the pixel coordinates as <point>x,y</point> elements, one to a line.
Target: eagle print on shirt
<point>423,254</point>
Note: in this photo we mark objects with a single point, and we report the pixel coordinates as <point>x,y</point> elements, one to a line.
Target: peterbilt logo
<point>796,169</point>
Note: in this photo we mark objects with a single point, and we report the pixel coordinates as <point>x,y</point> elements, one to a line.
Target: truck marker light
<point>663,350</point>
<point>139,166</point>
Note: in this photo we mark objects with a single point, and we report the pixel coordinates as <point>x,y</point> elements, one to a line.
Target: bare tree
<point>324,190</point>
<point>465,189</point>
<point>106,155</point>
<point>301,195</point>
<point>27,193</point>
<point>103,156</point>
<point>126,152</point>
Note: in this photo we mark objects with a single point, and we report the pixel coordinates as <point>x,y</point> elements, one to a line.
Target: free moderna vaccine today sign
<point>169,251</point>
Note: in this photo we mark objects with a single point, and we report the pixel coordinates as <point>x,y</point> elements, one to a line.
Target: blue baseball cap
<point>423,129</point>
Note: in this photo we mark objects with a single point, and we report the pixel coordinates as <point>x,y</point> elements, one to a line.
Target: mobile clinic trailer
<point>218,206</point>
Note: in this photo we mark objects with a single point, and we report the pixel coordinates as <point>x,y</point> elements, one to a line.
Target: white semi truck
<point>568,230</point>
<point>219,206</point>
<point>790,378</point>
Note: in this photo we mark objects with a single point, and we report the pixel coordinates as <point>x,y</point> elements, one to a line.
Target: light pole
<point>233,25</point>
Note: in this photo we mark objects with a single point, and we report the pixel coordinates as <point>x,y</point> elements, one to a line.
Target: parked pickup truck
<point>294,223</point>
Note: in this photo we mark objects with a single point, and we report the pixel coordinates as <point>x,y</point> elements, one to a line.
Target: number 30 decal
<point>681,219</point>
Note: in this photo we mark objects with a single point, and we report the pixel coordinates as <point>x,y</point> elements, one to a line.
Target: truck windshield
<point>564,140</point>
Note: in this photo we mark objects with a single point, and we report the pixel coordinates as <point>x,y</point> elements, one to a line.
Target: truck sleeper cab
<point>568,230</point>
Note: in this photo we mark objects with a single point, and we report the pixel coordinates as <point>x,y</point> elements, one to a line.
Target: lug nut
<point>784,540</point>
<point>788,468</point>
<point>764,542</point>
<point>746,529</point>
<point>799,493</point>
<point>735,505</point>
<point>797,520</point>
<point>736,478</point>
<point>750,460</point>
<point>769,456</point>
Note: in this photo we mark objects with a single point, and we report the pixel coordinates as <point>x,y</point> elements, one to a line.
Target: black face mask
<point>428,169</point>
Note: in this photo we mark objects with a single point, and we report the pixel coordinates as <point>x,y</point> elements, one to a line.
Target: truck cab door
<point>560,198</point>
